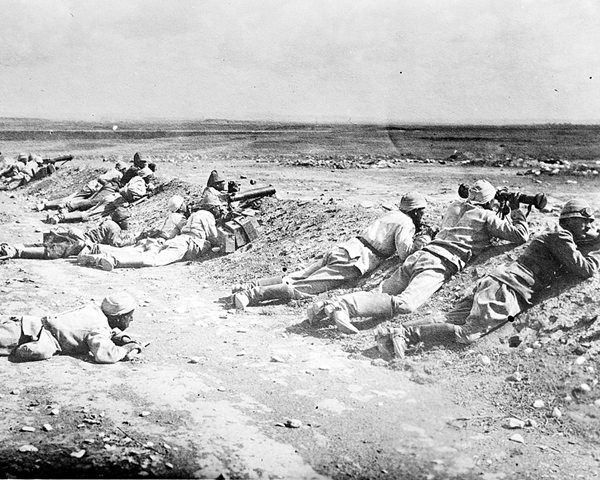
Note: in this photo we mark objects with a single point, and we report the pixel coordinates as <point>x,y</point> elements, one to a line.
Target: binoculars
<point>538,200</point>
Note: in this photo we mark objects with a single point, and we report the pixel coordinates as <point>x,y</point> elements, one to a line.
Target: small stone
<point>275,358</point>
<point>168,465</point>
<point>47,427</point>
<point>556,413</point>
<point>242,330</point>
<point>54,411</point>
<point>517,438</point>
<point>78,453</point>
<point>597,403</point>
<point>145,413</point>
<point>27,448</point>
<point>27,429</point>
<point>530,422</point>
<point>379,362</point>
<point>15,392</point>
<point>484,359</point>
<point>579,360</point>
<point>538,404</point>
<point>584,387</point>
<point>568,398</point>
<point>515,377</point>
<point>528,351</point>
<point>240,354</point>
<point>221,389</point>
<point>195,360</point>
<point>292,423</point>
<point>514,423</point>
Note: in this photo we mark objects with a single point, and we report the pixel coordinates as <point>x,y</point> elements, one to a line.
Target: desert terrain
<point>260,394</point>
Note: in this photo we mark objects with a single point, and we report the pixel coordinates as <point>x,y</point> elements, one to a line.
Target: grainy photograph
<point>299,240</point>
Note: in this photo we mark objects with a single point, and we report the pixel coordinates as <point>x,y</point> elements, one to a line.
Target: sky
<point>381,61</point>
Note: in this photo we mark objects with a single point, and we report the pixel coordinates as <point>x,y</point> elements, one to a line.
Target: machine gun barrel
<point>252,194</point>
<point>61,158</point>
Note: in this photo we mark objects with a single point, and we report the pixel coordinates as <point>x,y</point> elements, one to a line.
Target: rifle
<point>61,158</point>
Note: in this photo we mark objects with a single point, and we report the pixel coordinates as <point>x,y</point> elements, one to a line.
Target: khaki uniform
<point>509,290</point>
<point>84,329</point>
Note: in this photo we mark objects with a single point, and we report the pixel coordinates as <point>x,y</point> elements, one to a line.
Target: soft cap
<point>482,192</point>
<point>118,304</point>
<point>577,208</point>
<point>120,166</point>
<point>411,201</point>
<point>175,203</point>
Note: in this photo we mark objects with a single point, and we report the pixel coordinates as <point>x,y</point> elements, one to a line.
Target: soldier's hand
<point>513,201</point>
<point>429,230</point>
<point>133,350</point>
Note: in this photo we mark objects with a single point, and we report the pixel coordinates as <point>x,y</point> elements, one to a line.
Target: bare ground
<point>212,394</point>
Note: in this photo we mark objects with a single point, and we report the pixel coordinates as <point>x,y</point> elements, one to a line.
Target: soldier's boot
<point>359,304</point>
<point>261,282</point>
<point>98,260</point>
<point>55,219</point>
<point>256,295</point>
<point>9,251</point>
<point>398,339</point>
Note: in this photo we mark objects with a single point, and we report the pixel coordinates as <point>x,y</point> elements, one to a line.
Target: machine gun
<point>503,196</point>
<point>61,158</point>
<point>250,195</point>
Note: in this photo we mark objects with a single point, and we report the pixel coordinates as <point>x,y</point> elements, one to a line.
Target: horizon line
<point>365,122</point>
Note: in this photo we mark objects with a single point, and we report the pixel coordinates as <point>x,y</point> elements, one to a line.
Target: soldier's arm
<point>571,258</point>
<point>513,229</point>
<point>103,348</point>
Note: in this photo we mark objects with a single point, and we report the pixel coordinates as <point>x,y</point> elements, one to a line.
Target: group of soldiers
<point>187,232</point>
<point>427,257</point>
<point>24,169</point>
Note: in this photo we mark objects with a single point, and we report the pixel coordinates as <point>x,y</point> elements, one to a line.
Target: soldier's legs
<point>494,303</point>
<point>335,270</point>
<point>428,274</point>
<point>10,334</point>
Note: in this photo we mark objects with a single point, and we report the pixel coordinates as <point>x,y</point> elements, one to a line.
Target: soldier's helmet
<point>577,208</point>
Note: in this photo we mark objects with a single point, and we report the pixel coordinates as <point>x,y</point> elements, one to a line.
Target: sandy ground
<point>212,393</point>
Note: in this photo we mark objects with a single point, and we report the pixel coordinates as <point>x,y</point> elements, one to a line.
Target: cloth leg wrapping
<point>367,304</point>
